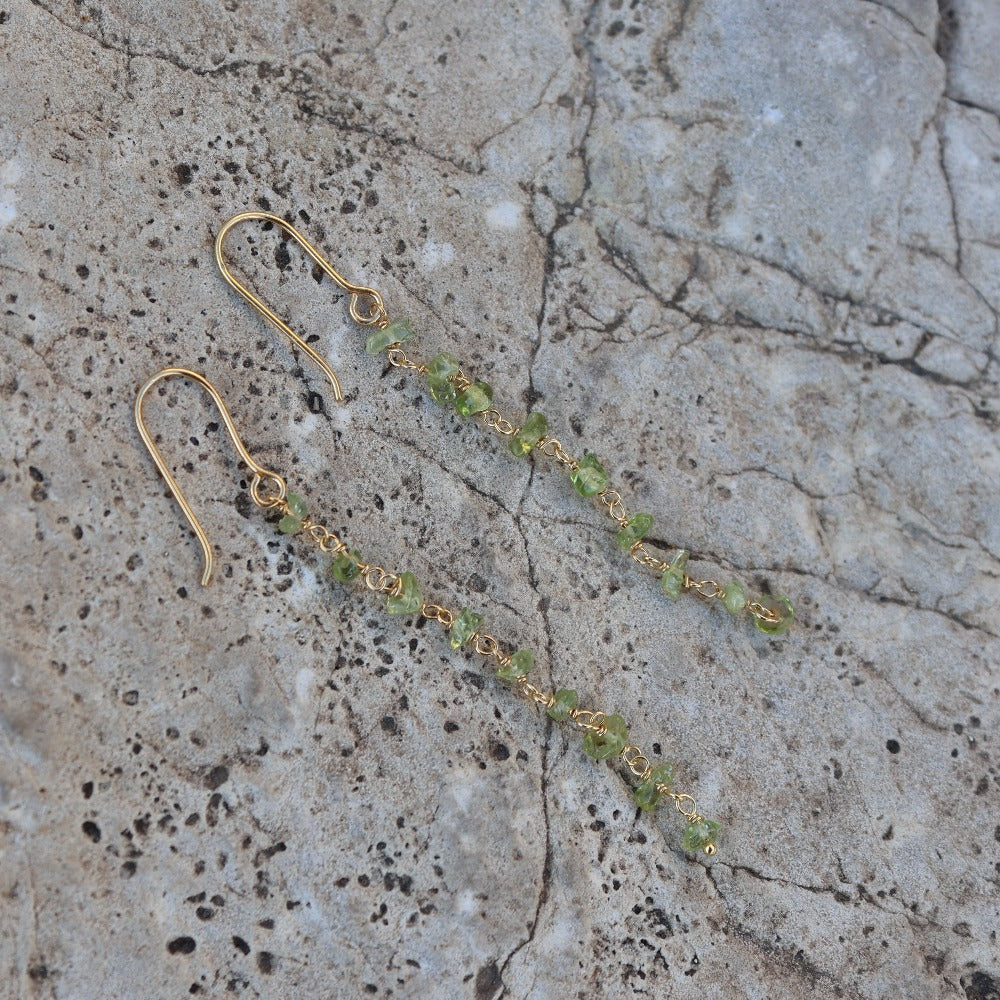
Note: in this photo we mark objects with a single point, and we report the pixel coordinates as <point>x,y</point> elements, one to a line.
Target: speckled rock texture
<point>749,253</point>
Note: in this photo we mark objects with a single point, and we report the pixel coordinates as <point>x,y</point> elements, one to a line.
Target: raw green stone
<point>292,521</point>
<point>647,795</point>
<point>520,663</point>
<point>442,391</point>
<point>475,399</point>
<point>672,581</point>
<point>395,333</point>
<point>783,606</point>
<point>698,836</point>
<point>566,699</point>
<point>638,526</point>
<point>734,597</point>
<point>663,774</point>
<point>533,430</point>
<point>439,372</point>
<point>442,366</point>
<point>649,792</point>
<point>610,744</point>
<point>407,600</point>
<point>463,628</point>
<point>589,476</point>
<point>344,567</point>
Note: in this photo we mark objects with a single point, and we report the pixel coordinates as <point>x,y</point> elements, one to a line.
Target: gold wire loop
<point>375,308</point>
<point>260,476</point>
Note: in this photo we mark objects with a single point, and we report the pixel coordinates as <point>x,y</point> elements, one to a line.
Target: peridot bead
<point>520,663</point>
<point>463,628</point>
<point>292,521</point>
<point>407,600</point>
<point>663,774</point>
<point>647,795</point>
<point>652,789</point>
<point>672,581</point>
<point>601,746</point>
<point>734,597</point>
<point>345,568</point>
<point>395,333</point>
<point>442,391</point>
<point>441,369</point>
<point>782,606</point>
<point>697,836</point>
<point>531,432</point>
<point>475,399</point>
<point>589,476</point>
<point>566,699</point>
<point>638,526</point>
<point>442,366</point>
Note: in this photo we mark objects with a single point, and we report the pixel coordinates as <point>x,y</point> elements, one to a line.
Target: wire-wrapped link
<point>553,448</point>
<point>617,511</point>
<point>495,420</point>
<point>436,613</point>
<point>636,761</point>
<point>398,359</point>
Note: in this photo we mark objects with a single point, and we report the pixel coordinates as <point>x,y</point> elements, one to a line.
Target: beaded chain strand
<point>448,385</point>
<point>605,737</point>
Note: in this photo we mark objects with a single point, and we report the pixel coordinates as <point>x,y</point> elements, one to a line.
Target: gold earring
<point>605,736</point>
<point>448,385</point>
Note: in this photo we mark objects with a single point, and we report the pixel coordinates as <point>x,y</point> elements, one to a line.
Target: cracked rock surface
<point>747,253</point>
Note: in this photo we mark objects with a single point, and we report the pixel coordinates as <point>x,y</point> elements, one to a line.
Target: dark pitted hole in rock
<point>181,946</point>
<point>488,981</point>
<point>92,830</point>
<point>892,746</point>
<point>218,776</point>
<point>88,790</point>
<point>265,962</point>
<point>980,986</point>
<point>240,944</point>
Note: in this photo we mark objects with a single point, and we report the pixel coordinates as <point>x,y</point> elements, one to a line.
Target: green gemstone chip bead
<point>648,794</point>
<point>442,391</point>
<point>672,581</point>
<point>535,427</point>
<point>395,333</point>
<point>782,606</point>
<point>697,836</point>
<point>475,399</point>
<point>345,568</point>
<point>566,699</point>
<point>608,744</point>
<point>439,373</point>
<point>292,521</point>
<point>407,600</point>
<point>464,628</point>
<point>520,663</point>
<point>734,597</point>
<point>589,476</point>
<point>638,526</point>
<point>442,366</point>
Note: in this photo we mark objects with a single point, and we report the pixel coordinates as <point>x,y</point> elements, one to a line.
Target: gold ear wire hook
<point>260,474</point>
<point>376,311</point>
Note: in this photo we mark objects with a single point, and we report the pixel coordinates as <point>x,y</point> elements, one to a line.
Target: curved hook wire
<point>376,309</point>
<point>260,474</point>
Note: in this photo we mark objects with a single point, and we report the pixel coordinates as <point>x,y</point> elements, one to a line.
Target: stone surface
<point>748,253</point>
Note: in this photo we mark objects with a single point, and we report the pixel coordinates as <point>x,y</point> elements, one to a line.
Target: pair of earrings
<point>605,736</point>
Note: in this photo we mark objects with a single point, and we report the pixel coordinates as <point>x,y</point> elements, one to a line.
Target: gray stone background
<point>746,251</point>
